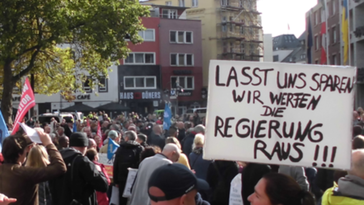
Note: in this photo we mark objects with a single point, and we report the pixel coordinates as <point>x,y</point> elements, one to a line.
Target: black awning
<point>78,108</point>
<point>113,106</point>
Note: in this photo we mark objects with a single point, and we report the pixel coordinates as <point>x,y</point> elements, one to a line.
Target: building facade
<point>336,44</point>
<point>98,96</point>
<point>317,17</point>
<point>231,29</point>
<point>176,66</point>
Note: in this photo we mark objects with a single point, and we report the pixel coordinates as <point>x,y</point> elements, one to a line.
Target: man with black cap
<point>82,179</point>
<point>175,184</point>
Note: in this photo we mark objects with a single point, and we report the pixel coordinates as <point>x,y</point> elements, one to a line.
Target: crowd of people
<point>64,168</point>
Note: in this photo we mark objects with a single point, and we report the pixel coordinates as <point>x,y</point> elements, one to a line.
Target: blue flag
<point>3,131</point>
<point>74,123</point>
<point>167,117</point>
<point>111,148</point>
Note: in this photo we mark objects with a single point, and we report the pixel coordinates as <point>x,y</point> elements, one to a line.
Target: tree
<point>50,38</point>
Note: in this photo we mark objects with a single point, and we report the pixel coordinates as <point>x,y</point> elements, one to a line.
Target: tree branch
<point>29,67</point>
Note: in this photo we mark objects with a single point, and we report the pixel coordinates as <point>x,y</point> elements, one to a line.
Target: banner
<point>109,164</point>
<point>276,113</point>
<point>27,101</point>
<point>3,131</point>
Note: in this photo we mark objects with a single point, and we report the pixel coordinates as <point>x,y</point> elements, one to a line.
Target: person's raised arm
<point>56,166</point>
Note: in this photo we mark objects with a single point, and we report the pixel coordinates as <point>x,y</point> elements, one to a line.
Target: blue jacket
<point>198,164</point>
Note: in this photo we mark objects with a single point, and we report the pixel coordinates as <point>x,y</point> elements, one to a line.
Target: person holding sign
<point>275,188</point>
<point>20,182</point>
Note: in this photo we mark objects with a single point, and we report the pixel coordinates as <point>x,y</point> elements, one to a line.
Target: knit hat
<point>78,139</point>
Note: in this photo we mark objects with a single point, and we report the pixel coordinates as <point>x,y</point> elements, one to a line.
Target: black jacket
<point>156,140</point>
<point>86,180</point>
<point>219,176</point>
<point>127,155</point>
<point>44,194</point>
<point>251,175</point>
<point>187,143</point>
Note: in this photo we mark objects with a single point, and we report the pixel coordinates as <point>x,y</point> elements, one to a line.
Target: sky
<point>278,14</point>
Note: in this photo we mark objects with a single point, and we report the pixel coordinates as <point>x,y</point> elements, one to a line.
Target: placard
<point>109,164</point>
<point>276,113</point>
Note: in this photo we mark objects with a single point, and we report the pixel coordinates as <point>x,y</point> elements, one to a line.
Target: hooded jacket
<point>86,180</point>
<point>349,191</point>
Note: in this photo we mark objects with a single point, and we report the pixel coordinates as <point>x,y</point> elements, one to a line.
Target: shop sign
<point>145,95</point>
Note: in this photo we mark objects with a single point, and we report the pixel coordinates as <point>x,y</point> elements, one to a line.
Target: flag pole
<point>349,39</point>
<point>326,30</point>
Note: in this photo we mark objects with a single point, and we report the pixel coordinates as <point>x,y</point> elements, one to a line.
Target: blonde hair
<point>38,157</point>
<point>199,139</point>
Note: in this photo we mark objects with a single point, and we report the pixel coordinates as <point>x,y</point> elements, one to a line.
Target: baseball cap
<point>174,180</point>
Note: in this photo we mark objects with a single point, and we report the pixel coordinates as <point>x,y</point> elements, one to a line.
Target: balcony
<point>234,50</point>
<point>232,36</point>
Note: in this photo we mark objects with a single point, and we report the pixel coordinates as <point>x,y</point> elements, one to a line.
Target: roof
<point>286,41</point>
<point>302,36</point>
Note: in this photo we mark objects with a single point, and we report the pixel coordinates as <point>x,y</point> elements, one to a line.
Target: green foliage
<point>49,38</point>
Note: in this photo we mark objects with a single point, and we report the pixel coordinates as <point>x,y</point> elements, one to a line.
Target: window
<point>169,3</point>
<point>87,85</point>
<point>334,60</point>
<point>181,59</point>
<point>147,35</point>
<point>232,27</point>
<point>322,15</point>
<point>186,82</point>
<point>241,30</point>
<point>316,17</point>
<point>224,28</point>
<point>333,30</point>
<point>241,3</point>
<point>316,43</point>
<point>194,3</point>
<point>169,13</point>
<point>140,58</point>
<point>140,82</point>
<point>180,37</point>
<point>103,88</point>
<point>224,19</point>
<point>224,3</point>
<point>181,3</point>
<point>333,7</point>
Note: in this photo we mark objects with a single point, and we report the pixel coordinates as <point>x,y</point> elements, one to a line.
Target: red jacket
<point>102,198</point>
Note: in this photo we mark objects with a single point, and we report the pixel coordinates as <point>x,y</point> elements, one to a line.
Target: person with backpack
<point>82,179</point>
<point>127,155</point>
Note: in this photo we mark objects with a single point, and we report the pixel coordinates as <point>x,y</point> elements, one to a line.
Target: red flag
<point>323,44</point>
<point>289,27</point>
<point>27,101</point>
<point>99,133</point>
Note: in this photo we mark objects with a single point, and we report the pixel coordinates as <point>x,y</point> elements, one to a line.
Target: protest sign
<point>109,164</point>
<point>275,113</point>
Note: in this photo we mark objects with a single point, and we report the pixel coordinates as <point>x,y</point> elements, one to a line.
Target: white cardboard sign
<point>276,113</point>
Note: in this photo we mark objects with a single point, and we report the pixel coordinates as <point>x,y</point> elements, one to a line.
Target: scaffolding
<point>239,30</point>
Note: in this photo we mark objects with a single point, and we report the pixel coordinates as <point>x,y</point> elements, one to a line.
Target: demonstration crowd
<point>64,169</point>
